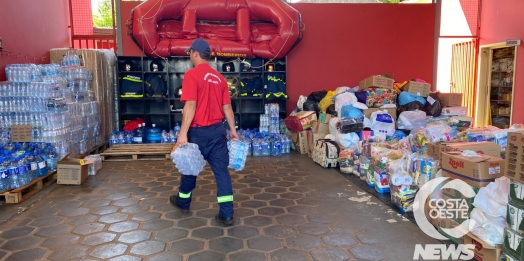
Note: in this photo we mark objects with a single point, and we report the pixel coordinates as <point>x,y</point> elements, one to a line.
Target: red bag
<point>132,125</point>
<point>300,121</point>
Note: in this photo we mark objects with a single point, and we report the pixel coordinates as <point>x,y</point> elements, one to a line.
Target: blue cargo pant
<point>212,142</point>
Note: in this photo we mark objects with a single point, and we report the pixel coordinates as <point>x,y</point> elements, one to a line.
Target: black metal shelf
<point>247,108</point>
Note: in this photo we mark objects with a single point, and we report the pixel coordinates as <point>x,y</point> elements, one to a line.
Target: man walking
<point>206,101</point>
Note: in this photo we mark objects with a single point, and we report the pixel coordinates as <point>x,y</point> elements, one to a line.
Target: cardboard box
<point>465,209</point>
<point>431,213</point>
<point>418,88</point>
<point>515,156</point>
<point>299,140</point>
<point>72,171</point>
<point>435,150</point>
<point>21,133</point>
<point>321,128</point>
<point>376,81</point>
<point>483,148</point>
<point>446,223</point>
<point>483,251</point>
<point>475,171</point>
<point>392,112</point>
<point>450,99</point>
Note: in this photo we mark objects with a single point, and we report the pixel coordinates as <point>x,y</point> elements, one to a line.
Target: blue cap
<point>200,45</point>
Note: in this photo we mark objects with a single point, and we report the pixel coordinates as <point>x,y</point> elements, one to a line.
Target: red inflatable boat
<point>234,28</point>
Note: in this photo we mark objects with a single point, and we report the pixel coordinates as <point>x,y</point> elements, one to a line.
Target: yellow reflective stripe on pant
<point>184,195</point>
<point>225,199</point>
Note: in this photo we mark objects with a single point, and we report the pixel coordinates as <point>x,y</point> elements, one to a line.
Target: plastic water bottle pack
<point>238,152</point>
<point>188,160</point>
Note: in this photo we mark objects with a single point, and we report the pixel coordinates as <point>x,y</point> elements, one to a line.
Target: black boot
<point>174,201</point>
<point>226,221</point>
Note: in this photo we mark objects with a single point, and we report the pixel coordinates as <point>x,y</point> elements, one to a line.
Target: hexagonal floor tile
<point>97,203</point>
<point>16,232</point>
<point>165,257</point>
<point>313,229</point>
<point>118,196</point>
<point>89,228</point>
<point>366,238</point>
<point>265,196</point>
<point>291,219</point>
<point>226,244</point>
<point>242,232</point>
<point>303,242</point>
<point>53,230</point>
<point>163,207</point>
<point>346,228</point>
<point>282,202</point>
<point>123,226</point>
<point>113,218</point>
<point>247,255</point>
<point>47,221</point>
<point>289,254</point>
<point>186,246</point>
<point>206,256</point>
<point>134,236</point>
<point>331,254</point>
<point>207,232</point>
<point>244,212</point>
<point>192,223</point>
<point>135,209</point>
<point>271,211</point>
<point>99,238</point>
<point>171,234</point>
<point>104,210</point>
<point>339,240</point>
<point>250,191</point>
<point>206,213</point>
<point>148,248</point>
<point>258,221</point>
<point>322,218</point>
<point>177,215</point>
<point>277,190</point>
<point>264,243</point>
<point>80,220</point>
<point>308,202</point>
<point>21,243</point>
<point>57,242</point>
<point>366,252</point>
<point>254,204</point>
<point>68,253</point>
<point>291,195</point>
<point>260,185</point>
<point>301,210</point>
<point>145,216</point>
<point>72,212</point>
<point>157,224</point>
<point>279,231</point>
<point>126,202</point>
<point>108,250</point>
<point>241,198</point>
<point>126,258</point>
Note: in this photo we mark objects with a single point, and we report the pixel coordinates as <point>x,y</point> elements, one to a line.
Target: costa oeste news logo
<point>446,209</point>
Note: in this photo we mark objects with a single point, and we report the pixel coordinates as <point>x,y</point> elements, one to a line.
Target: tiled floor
<point>287,208</point>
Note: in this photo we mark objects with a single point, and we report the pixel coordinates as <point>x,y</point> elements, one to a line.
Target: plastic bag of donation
<point>490,209</point>
<point>382,122</point>
<point>188,159</point>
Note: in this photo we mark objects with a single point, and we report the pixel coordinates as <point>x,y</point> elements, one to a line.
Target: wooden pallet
<point>128,152</point>
<point>22,193</point>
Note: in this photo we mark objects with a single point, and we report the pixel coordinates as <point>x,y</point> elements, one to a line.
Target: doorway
<point>494,90</point>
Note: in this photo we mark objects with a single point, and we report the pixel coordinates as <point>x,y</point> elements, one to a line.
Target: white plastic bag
<point>408,120</point>
<point>382,123</point>
<point>493,199</point>
<point>333,125</point>
<point>490,229</point>
<point>347,140</point>
<point>301,100</point>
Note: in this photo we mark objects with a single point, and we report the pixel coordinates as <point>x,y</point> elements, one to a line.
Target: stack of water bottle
<point>85,111</point>
<point>270,121</point>
<point>142,134</point>
<point>261,144</point>
<point>188,159</point>
<point>20,163</point>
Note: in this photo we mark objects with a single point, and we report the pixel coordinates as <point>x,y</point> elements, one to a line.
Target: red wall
<point>345,43</point>
<point>32,28</point>
<point>501,20</point>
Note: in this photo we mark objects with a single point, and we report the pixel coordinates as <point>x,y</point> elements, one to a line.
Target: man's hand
<point>182,140</point>
<point>233,134</point>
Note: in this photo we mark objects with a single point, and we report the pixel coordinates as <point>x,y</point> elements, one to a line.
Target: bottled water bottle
<point>14,179</point>
<point>277,148</point>
<point>177,129</point>
<point>31,166</point>
<point>172,136</point>
<point>238,155</point>
<point>23,171</point>
<point>52,159</point>
<point>138,135</point>
<point>113,139</point>
<point>129,137</point>
<point>154,135</point>
<point>188,159</point>
<point>4,175</point>
<point>121,138</point>
<point>41,165</point>
<point>165,137</point>
<point>265,147</point>
<point>256,148</point>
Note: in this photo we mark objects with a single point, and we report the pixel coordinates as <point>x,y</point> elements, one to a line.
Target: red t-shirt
<point>209,89</point>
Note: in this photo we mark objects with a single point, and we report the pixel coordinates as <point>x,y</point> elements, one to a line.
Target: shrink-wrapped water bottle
<point>238,155</point>
<point>188,160</point>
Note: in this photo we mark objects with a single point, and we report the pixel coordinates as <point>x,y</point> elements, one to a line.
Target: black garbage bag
<point>317,96</point>
<point>310,106</point>
<point>331,110</point>
<point>433,105</point>
<point>412,106</point>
